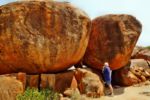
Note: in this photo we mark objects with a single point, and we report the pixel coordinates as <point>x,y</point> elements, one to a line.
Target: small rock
<point>10,87</point>
<point>140,63</point>
<point>147,83</point>
<point>70,91</point>
<point>22,77</point>
<point>89,83</point>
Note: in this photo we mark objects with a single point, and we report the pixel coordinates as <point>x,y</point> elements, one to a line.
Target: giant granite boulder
<point>41,36</point>
<point>112,39</point>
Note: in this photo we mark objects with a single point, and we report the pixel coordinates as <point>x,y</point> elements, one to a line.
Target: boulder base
<point>131,74</point>
<point>125,77</point>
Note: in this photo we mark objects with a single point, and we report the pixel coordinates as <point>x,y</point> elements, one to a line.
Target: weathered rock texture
<point>58,82</point>
<point>140,62</point>
<point>10,87</point>
<point>125,77</point>
<point>112,39</point>
<point>136,50</point>
<point>37,37</point>
<point>141,53</point>
<point>131,74</point>
<point>89,83</point>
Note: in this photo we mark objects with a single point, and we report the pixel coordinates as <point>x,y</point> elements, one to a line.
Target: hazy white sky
<point>94,8</point>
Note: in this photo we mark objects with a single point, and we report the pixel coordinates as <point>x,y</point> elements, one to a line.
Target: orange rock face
<point>125,77</point>
<point>112,39</point>
<point>37,37</point>
<point>59,82</point>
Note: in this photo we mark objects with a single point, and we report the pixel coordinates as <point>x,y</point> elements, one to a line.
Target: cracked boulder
<point>89,82</point>
<point>41,36</point>
<point>112,40</point>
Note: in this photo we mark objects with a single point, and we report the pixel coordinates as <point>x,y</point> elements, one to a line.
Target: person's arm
<point>110,71</point>
<point>103,69</point>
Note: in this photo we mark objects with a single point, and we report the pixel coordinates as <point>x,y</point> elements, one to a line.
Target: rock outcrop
<point>136,50</point>
<point>89,83</point>
<point>10,87</point>
<point>125,77</point>
<point>39,37</point>
<point>141,53</point>
<point>132,73</point>
<point>112,39</point>
<point>140,63</point>
<point>58,82</point>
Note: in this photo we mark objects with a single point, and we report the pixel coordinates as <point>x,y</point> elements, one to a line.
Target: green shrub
<point>148,47</point>
<point>34,94</point>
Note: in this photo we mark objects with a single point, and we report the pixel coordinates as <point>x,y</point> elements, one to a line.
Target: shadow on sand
<point>145,93</point>
<point>117,90</point>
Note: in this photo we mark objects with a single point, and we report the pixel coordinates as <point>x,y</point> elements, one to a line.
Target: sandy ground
<point>137,92</point>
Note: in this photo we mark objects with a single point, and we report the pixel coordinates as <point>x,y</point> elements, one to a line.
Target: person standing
<point>107,76</point>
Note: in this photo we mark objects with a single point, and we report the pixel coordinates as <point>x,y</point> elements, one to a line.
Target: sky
<point>95,8</point>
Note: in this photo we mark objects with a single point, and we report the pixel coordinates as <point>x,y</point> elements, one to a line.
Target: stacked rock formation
<point>141,53</point>
<point>130,75</point>
<point>137,71</point>
<point>38,37</point>
<point>112,39</point>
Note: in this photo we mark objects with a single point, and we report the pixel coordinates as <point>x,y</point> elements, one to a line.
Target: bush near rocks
<point>35,94</point>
